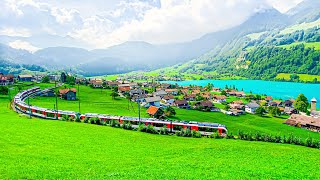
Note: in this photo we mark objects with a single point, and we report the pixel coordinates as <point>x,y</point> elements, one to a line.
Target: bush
<point>216,135</point>
<point>86,120</point>
<point>77,119</point>
<point>164,130</point>
<point>63,119</point>
<point>230,136</point>
<point>115,123</point>
<point>196,134</point>
<point>151,130</point>
<point>142,128</point>
<point>127,126</point>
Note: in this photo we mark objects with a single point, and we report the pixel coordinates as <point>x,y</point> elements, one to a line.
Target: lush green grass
<point>92,101</point>
<point>303,77</point>
<point>315,45</point>
<point>100,101</point>
<point>40,149</point>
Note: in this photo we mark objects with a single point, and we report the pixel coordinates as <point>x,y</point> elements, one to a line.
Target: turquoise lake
<point>283,90</point>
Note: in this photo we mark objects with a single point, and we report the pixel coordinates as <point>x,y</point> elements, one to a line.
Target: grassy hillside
<point>315,45</point>
<point>39,149</point>
<point>100,101</point>
<point>303,77</point>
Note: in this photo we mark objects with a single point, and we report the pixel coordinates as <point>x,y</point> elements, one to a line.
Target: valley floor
<point>41,149</point>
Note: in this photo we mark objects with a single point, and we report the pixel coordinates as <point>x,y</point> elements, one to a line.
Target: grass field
<point>100,101</point>
<point>315,45</point>
<point>40,149</point>
<point>303,77</point>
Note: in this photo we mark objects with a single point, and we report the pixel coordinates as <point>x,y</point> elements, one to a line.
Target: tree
<point>63,77</point>
<point>170,111</point>
<point>114,95</point>
<point>301,103</point>
<point>260,111</point>
<point>226,107</point>
<point>223,92</point>
<point>4,90</point>
<point>45,79</point>
<point>274,111</point>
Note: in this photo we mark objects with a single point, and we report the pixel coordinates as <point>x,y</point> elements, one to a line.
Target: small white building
<point>251,107</point>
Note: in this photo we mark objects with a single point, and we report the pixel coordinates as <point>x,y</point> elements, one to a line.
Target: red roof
<point>64,91</point>
<point>269,98</point>
<point>124,88</point>
<point>152,110</point>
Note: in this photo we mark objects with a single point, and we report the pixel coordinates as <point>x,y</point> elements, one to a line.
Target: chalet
<point>112,83</point>
<point>251,107</point>
<point>6,80</point>
<point>181,104</point>
<point>139,98</point>
<point>134,85</point>
<point>204,105</point>
<point>172,91</point>
<point>168,99</point>
<point>268,99</point>
<point>184,91</point>
<point>190,97</point>
<point>165,86</point>
<point>307,122</point>
<point>240,94</point>
<point>97,84</point>
<point>220,99</point>
<point>160,93</point>
<point>196,92</point>
<point>68,94</point>
<point>25,78</point>
<point>216,89</point>
<point>237,105</point>
<point>275,103</point>
<point>123,89</point>
<point>152,101</point>
<point>155,112</point>
<point>206,95</point>
<point>288,103</point>
<point>136,92</point>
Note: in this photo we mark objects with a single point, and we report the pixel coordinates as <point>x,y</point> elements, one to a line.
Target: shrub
<point>216,135</point>
<point>164,130</point>
<point>142,128</point>
<point>86,120</point>
<point>230,136</point>
<point>77,119</point>
<point>63,119</point>
<point>127,126</point>
<point>196,134</point>
<point>115,123</point>
<point>151,130</point>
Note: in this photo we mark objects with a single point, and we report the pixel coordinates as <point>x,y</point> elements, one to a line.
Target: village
<point>162,98</point>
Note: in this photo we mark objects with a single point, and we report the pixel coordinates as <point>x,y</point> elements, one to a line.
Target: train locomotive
<point>172,126</point>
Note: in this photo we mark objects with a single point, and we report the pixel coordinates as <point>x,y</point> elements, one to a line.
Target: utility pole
<point>79,96</point>
<point>29,105</point>
<point>139,108</point>
<point>55,85</point>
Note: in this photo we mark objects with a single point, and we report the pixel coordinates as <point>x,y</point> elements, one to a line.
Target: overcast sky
<point>103,23</point>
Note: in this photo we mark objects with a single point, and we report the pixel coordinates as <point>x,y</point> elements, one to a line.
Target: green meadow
<point>100,101</point>
<point>43,149</point>
<point>303,77</point>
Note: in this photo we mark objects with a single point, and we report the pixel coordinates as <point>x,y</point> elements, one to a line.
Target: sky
<point>35,24</point>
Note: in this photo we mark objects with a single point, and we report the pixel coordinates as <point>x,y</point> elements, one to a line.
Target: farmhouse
<point>307,122</point>
<point>68,94</point>
<point>25,78</point>
<point>251,107</point>
<point>160,93</point>
<point>168,99</point>
<point>136,92</point>
<point>152,101</point>
<point>204,105</point>
<point>216,89</point>
<point>190,97</point>
<point>6,80</point>
<point>96,83</point>
<point>124,89</point>
<point>220,99</point>
<point>172,91</point>
<point>112,83</point>
<point>288,103</point>
<point>155,112</point>
<point>181,104</point>
<point>47,93</point>
<point>268,99</point>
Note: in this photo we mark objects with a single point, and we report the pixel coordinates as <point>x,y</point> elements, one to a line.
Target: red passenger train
<point>20,105</point>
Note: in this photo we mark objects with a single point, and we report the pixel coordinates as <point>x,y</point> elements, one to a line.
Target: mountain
<point>306,11</point>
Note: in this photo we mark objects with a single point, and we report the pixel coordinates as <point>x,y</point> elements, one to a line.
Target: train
<point>50,114</point>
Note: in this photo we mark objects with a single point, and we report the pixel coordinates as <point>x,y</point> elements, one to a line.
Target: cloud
<point>18,44</point>
<point>22,32</point>
<point>284,5</point>
<point>154,21</point>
